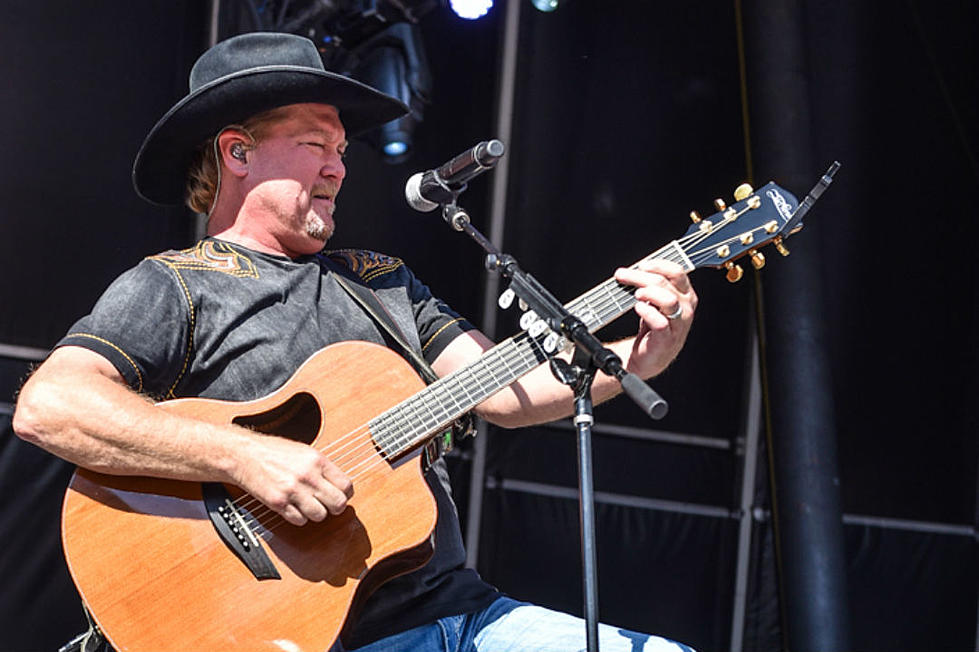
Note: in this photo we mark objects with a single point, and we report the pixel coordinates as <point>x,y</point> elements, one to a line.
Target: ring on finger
<point>676,313</point>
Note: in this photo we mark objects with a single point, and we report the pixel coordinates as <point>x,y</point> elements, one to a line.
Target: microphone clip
<point>434,188</point>
<point>455,215</point>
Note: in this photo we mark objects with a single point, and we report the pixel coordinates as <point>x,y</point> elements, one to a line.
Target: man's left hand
<point>665,303</point>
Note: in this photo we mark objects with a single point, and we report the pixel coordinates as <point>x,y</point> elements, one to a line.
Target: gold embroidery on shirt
<point>139,376</point>
<point>209,256</point>
<point>192,318</point>
<point>439,332</point>
<point>368,265</point>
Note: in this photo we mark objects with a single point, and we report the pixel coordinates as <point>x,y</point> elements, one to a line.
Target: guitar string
<point>363,452</point>
<point>337,453</point>
<point>340,452</point>
<point>364,466</point>
<point>506,357</point>
<point>341,442</point>
<point>371,461</point>
<point>447,416</point>
<point>356,456</point>
<point>356,472</point>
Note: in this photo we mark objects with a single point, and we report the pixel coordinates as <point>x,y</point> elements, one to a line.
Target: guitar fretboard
<point>713,242</point>
<point>414,420</point>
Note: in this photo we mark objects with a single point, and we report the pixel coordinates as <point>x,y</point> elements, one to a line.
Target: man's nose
<point>334,168</point>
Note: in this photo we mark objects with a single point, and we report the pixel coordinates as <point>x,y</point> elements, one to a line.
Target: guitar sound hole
<point>298,418</point>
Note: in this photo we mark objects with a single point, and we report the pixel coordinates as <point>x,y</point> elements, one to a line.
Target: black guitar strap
<point>372,305</point>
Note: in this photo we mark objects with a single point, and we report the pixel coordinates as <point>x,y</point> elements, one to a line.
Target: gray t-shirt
<point>225,322</point>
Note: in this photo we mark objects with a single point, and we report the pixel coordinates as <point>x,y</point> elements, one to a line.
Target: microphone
<point>426,190</point>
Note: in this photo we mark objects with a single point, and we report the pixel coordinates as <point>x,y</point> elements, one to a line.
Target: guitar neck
<point>414,420</point>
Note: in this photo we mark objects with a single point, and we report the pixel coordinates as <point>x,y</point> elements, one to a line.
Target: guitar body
<point>151,568</point>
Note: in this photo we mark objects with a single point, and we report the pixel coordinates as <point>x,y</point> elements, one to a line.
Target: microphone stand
<point>590,355</point>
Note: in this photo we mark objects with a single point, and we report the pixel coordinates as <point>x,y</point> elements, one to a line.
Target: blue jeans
<point>508,625</point>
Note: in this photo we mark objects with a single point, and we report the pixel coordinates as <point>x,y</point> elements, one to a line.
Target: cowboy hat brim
<point>160,168</point>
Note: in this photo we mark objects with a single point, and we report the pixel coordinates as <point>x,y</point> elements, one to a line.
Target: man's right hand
<point>294,479</point>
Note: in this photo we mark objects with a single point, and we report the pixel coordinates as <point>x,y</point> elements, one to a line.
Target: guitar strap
<point>372,305</point>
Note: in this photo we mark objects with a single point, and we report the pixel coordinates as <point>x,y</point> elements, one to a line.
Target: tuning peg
<point>779,246</point>
<point>734,272</point>
<point>743,191</point>
<point>719,204</point>
<point>757,258</point>
<point>695,217</point>
<point>506,299</point>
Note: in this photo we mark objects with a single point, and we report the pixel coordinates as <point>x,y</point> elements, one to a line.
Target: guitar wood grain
<point>153,572</point>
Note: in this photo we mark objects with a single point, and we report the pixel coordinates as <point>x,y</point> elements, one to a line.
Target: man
<point>258,144</point>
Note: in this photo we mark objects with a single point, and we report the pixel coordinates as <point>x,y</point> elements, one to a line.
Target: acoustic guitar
<point>173,565</point>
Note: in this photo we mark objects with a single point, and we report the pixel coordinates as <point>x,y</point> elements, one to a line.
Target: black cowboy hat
<point>236,79</point>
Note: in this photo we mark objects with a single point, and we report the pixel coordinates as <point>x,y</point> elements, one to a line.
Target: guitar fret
<point>452,394</point>
<point>466,381</point>
<point>620,297</point>
<point>509,377</point>
<point>380,428</point>
<point>414,419</point>
<point>436,410</point>
<point>400,427</point>
<point>424,418</point>
<point>586,311</point>
<point>596,311</point>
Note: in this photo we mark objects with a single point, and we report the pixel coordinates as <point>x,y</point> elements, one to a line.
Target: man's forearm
<point>94,421</point>
<point>77,407</point>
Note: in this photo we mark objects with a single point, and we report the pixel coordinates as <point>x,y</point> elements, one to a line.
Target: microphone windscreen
<point>414,195</point>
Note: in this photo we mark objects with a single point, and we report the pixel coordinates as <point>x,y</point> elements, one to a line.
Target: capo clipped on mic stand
<point>549,311</point>
<point>590,355</point>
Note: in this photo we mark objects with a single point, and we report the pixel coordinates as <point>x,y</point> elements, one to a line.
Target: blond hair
<point>203,175</point>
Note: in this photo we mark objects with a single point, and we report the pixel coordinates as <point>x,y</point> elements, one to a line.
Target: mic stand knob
<point>455,216</point>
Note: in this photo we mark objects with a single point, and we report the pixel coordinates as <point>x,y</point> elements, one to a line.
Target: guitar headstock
<point>757,218</point>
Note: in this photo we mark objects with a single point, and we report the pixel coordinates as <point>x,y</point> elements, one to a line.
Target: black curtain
<point>625,120</point>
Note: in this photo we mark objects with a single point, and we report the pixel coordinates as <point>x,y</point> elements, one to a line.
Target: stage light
<point>375,41</point>
<point>394,62</point>
<point>395,148</point>
<point>471,9</point>
<point>546,5</point>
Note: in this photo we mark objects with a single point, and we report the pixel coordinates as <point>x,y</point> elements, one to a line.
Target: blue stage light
<point>546,5</point>
<point>396,148</point>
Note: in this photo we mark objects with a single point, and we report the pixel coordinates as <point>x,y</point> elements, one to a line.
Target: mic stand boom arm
<point>557,317</point>
<point>589,356</point>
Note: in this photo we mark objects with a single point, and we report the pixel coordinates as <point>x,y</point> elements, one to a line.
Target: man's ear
<point>233,147</point>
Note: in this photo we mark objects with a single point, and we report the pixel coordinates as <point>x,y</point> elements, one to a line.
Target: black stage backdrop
<point>624,121</point>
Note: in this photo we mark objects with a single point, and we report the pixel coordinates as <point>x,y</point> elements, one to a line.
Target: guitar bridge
<point>231,527</point>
